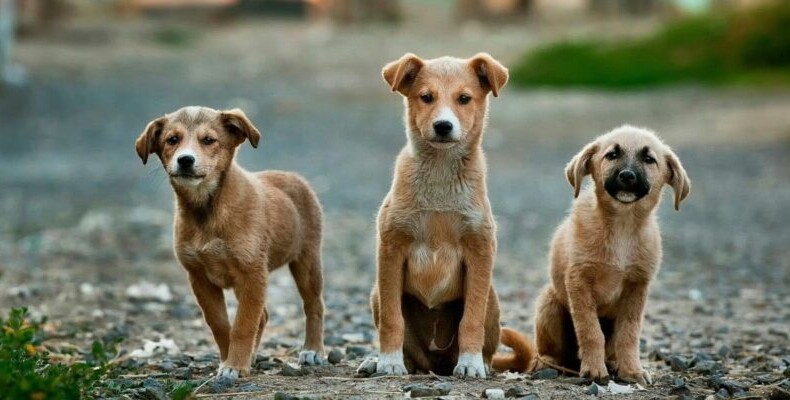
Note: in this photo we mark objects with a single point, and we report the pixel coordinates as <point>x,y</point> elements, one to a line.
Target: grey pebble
<point>546,373</point>
<point>288,370</point>
<point>184,373</point>
<point>531,396</point>
<point>516,391</point>
<point>286,396</point>
<point>707,367</point>
<point>593,390</point>
<point>494,394</point>
<point>250,387</point>
<point>678,363</point>
<point>335,356</point>
<point>723,394</point>
<point>354,352</point>
<point>420,390</point>
<point>220,385</point>
<point>367,367</point>
<point>167,366</point>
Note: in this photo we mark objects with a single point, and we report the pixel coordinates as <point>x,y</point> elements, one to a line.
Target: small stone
<point>354,352</point>
<point>593,390</point>
<point>494,394</point>
<point>220,384</point>
<point>288,370</point>
<point>546,373</point>
<point>420,390</point>
<point>722,394</point>
<point>367,367</point>
<point>286,396</point>
<point>678,363</point>
<point>575,380</point>
<point>516,391</point>
<point>707,367</point>
<point>335,356</point>
<point>680,391</point>
<point>167,366</point>
<point>443,387</point>
<point>724,352</point>
<point>250,387</point>
<point>266,365</point>
<point>184,373</point>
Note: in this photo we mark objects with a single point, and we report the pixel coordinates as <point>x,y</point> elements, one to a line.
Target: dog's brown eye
<point>612,155</point>
<point>209,140</point>
<point>172,140</point>
<point>426,98</point>
<point>464,99</point>
<point>650,160</point>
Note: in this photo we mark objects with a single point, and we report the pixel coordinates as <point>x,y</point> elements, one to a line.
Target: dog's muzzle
<point>627,185</point>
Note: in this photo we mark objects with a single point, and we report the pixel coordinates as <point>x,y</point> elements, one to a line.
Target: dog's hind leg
<point>310,282</point>
<point>261,326</point>
<point>550,329</point>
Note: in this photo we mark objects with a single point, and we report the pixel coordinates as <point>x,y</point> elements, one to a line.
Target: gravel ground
<point>85,236</point>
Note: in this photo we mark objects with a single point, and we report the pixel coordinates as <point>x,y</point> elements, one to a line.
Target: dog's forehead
<point>447,68</point>
<point>192,116</point>
<point>632,138</point>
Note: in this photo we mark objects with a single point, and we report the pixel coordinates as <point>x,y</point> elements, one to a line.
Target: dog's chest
<point>434,271</point>
<point>215,258</point>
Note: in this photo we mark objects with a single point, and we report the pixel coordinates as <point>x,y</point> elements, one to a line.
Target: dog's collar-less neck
<point>204,209</point>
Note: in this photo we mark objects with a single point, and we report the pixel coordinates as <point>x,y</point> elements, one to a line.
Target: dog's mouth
<point>442,143</point>
<point>189,176</point>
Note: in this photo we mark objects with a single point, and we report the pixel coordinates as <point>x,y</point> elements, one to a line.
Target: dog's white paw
<point>470,365</point>
<point>310,357</point>
<point>391,364</point>
<point>229,373</point>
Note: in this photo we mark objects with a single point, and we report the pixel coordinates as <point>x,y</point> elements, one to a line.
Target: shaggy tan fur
<point>433,302</point>
<point>233,227</point>
<point>603,257</point>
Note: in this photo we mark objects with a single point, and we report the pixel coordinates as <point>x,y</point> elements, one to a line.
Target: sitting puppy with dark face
<point>603,257</point>
<point>233,227</point>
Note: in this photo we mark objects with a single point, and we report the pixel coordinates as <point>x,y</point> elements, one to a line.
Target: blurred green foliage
<point>748,47</point>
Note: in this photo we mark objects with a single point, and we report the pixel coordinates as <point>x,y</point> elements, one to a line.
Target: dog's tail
<point>524,354</point>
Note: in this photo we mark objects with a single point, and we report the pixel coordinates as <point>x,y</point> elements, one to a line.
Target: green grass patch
<point>728,48</point>
<point>28,372</point>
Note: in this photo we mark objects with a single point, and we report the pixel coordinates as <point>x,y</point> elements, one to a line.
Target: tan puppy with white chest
<point>233,227</point>
<point>433,302</point>
<point>604,255</point>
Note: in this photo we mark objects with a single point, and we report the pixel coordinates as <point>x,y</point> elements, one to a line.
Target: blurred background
<point>84,225</point>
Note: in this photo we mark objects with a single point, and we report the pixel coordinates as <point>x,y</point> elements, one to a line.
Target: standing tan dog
<point>604,255</point>
<point>433,302</point>
<point>233,227</point>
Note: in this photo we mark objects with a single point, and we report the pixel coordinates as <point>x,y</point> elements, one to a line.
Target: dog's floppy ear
<point>678,178</point>
<point>579,167</point>
<point>148,141</point>
<point>400,74</point>
<point>493,75</point>
<point>237,124</point>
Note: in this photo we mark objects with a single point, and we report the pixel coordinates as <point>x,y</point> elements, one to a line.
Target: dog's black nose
<point>186,161</point>
<point>626,177</point>
<point>442,128</point>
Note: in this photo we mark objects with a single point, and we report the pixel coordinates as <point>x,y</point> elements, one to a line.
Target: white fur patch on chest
<point>434,263</point>
<point>622,248</point>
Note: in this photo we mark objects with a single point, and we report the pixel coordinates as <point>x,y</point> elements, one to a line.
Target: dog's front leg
<point>479,253</point>
<point>250,293</point>
<point>212,303</point>
<point>391,259</point>
<point>584,314</point>
<point>628,325</point>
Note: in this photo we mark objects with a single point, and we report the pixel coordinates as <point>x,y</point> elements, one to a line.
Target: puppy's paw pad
<point>310,357</point>
<point>391,364</point>
<point>228,373</point>
<point>470,366</point>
